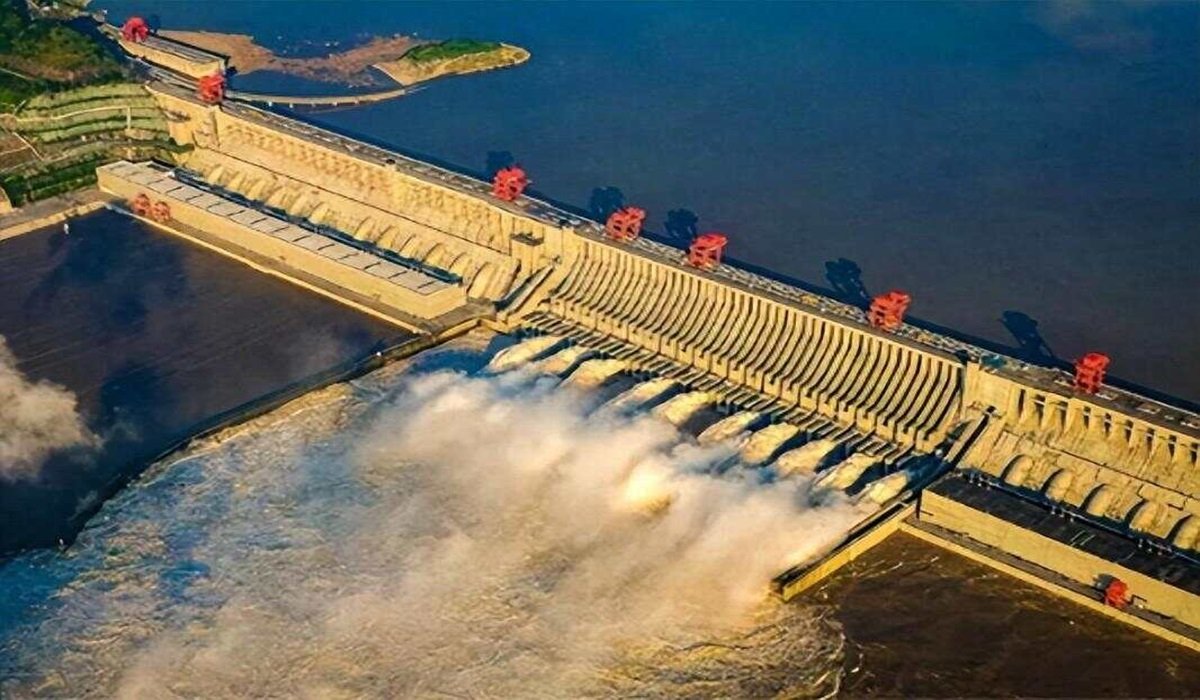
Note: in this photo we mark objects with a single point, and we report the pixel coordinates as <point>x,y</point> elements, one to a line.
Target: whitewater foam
<point>425,535</point>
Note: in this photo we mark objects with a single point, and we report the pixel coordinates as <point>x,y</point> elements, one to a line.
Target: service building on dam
<point>1060,479</point>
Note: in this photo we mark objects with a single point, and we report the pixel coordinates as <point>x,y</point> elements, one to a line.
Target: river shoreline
<point>49,212</point>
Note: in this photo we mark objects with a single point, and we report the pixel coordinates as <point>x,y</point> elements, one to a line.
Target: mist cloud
<point>449,536</point>
<point>36,419</point>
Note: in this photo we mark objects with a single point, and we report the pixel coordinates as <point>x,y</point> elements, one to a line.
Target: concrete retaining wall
<point>423,305</point>
<point>175,56</point>
<point>1093,456</point>
<point>1064,560</point>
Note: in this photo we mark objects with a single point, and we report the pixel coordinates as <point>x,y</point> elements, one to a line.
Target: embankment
<point>51,212</point>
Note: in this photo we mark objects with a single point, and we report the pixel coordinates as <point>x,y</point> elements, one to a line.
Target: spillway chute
<point>883,490</point>
<point>847,472</point>
<point>565,360</point>
<point>804,460</point>
<point>730,427</point>
<point>645,393</point>
<point>678,409</point>
<point>523,353</point>
<point>593,373</point>
<point>766,443</point>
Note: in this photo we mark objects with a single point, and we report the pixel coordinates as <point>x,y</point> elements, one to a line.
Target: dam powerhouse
<point>1057,478</point>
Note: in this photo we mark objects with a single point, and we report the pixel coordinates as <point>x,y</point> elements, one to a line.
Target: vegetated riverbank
<point>53,143</point>
<point>39,55</point>
<point>425,63</point>
<point>400,57</point>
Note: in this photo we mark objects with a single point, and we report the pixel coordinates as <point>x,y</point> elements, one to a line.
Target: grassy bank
<point>49,50</point>
<point>455,57</point>
<point>452,48</point>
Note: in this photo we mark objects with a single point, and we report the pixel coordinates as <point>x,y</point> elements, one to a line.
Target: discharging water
<point>428,532</point>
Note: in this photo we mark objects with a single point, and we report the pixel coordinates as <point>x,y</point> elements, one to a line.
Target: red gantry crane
<point>706,250</point>
<point>1089,372</point>
<point>509,183</point>
<point>211,88</point>
<point>887,310</point>
<point>135,29</point>
<point>625,224</point>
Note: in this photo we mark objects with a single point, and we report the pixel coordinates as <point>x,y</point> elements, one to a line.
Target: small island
<point>455,57</point>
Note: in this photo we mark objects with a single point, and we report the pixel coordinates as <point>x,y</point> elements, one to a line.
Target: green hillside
<point>54,142</point>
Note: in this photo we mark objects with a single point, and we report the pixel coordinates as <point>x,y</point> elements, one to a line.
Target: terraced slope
<point>54,142</point>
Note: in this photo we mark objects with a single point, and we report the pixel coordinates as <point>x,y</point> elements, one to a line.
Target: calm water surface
<point>153,336</point>
<point>1041,159</point>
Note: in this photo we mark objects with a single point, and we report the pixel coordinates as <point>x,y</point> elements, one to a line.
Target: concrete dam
<point>1086,490</point>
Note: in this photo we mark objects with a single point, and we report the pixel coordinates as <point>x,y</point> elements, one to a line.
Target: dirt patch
<point>345,67</point>
<point>244,55</point>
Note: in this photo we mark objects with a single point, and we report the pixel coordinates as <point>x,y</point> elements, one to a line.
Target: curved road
<point>327,100</point>
<point>288,100</point>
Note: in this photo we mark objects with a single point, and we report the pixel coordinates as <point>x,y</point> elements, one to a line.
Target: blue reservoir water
<point>1003,162</point>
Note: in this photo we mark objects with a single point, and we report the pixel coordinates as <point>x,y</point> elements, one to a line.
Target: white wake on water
<point>426,536</point>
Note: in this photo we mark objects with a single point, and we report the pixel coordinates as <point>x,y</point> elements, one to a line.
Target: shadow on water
<point>681,226</point>
<point>116,277</point>
<point>497,161</point>
<point>845,276</point>
<point>1031,346</point>
<point>604,201</point>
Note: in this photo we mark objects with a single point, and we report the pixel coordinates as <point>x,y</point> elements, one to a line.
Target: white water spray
<point>36,419</point>
<point>764,443</point>
<point>466,537</point>
<point>678,409</point>
<point>804,460</point>
<point>522,353</point>
<point>845,473</point>
<point>640,395</point>
<point>594,373</point>
<point>564,360</point>
<point>729,428</point>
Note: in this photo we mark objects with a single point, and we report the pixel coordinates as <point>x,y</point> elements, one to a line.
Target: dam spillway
<point>903,404</point>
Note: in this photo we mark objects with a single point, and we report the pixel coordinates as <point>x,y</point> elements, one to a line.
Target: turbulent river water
<point>428,532</point>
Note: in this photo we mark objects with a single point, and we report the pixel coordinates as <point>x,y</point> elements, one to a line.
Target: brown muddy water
<point>924,622</point>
